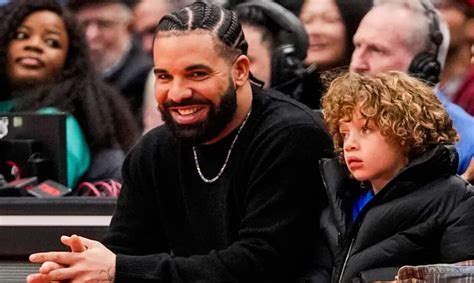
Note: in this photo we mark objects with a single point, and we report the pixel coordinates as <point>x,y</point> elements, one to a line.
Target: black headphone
<point>292,39</point>
<point>425,65</point>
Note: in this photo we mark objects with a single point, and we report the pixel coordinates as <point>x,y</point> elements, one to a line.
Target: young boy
<point>394,198</point>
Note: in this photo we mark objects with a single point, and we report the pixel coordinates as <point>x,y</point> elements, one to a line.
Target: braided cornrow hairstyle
<point>221,23</point>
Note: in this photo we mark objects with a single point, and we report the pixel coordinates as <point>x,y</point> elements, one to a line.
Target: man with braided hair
<point>227,190</point>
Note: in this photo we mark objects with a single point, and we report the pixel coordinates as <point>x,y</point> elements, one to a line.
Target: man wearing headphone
<point>278,44</point>
<point>407,35</point>
<point>457,79</point>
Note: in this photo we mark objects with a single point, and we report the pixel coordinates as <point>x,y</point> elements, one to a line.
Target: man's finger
<point>64,258</point>
<point>37,278</point>
<point>61,274</point>
<point>74,242</point>
<point>88,242</point>
<point>48,266</point>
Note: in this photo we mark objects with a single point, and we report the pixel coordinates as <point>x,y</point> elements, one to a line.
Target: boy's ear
<point>240,70</point>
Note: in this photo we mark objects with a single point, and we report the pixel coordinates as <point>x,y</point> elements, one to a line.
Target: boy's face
<point>369,155</point>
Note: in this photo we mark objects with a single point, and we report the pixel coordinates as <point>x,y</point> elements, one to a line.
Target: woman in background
<point>46,68</point>
<point>331,24</point>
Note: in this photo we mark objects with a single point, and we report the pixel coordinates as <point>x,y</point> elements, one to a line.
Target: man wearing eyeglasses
<point>108,28</point>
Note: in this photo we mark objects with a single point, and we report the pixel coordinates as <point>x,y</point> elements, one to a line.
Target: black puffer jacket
<point>424,215</point>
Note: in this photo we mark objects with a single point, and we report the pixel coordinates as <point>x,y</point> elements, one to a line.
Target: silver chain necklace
<point>196,161</point>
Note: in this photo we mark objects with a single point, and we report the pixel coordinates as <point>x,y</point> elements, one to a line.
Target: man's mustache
<point>187,102</point>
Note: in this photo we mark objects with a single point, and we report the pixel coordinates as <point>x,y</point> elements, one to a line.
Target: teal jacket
<point>77,150</point>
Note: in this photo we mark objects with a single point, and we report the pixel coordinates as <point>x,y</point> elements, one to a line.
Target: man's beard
<point>217,118</point>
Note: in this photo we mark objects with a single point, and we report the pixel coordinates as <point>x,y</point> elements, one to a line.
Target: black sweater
<point>424,215</point>
<point>254,223</point>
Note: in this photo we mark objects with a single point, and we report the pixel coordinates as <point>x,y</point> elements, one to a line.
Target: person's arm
<point>319,269</point>
<point>74,242</point>
<point>468,175</point>
<point>131,237</point>
<point>88,261</point>
<point>276,234</point>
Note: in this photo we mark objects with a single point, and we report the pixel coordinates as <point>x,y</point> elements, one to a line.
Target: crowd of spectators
<point>94,60</point>
<point>119,37</point>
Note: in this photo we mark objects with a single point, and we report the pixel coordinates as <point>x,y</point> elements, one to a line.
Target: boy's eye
<point>365,130</point>
<point>344,135</point>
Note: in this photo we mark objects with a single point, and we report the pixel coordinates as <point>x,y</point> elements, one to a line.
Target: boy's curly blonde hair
<point>404,109</point>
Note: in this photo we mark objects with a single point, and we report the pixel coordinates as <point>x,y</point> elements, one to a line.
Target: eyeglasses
<point>101,24</point>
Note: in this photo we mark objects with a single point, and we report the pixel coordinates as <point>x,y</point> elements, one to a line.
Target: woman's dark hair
<point>102,113</point>
<point>352,12</point>
<point>254,16</point>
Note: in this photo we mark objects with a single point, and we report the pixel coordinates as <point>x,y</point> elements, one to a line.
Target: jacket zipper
<point>345,260</point>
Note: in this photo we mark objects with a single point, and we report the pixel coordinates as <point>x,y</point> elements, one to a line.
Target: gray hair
<point>422,26</point>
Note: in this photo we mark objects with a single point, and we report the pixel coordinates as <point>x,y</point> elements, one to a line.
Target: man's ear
<point>130,26</point>
<point>240,70</point>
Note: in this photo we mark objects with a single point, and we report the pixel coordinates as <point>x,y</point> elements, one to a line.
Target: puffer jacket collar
<point>437,161</point>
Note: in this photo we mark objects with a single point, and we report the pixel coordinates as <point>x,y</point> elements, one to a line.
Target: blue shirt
<point>360,202</point>
<point>464,124</point>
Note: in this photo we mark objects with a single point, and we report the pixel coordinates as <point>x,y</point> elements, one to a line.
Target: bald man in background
<point>115,53</point>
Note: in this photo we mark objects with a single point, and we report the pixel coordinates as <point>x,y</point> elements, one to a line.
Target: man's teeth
<point>188,111</point>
